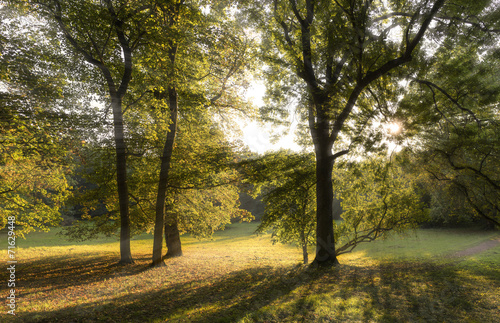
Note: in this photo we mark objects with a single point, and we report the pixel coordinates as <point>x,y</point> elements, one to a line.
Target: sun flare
<point>394,128</point>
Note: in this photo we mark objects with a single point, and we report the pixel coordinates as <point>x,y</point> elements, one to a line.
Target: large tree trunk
<point>121,179</point>
<point>320,132</point>
<point>163,181</point>
<point>325,241</point>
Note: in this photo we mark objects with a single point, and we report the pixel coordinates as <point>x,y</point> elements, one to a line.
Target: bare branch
<point>432,85</point>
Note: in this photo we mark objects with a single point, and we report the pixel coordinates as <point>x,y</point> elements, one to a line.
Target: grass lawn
<point>241,277</point>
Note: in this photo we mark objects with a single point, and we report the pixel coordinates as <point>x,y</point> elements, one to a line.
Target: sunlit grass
<point>426,243</point>
<point>241,277</point>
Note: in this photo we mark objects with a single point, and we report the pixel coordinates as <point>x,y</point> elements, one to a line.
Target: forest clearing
<point>250,160</point>
<point>242,277</point>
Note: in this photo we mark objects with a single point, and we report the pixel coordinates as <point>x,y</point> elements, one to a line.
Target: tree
<point>348,56</point>
<point>109,49</point>
<point>207,69</point>
<point>202,187</point>
<point>171,17</point>
<point>202,63</point>
<point>201,194</point>
<point>378,196</point>
<point>286,181</point>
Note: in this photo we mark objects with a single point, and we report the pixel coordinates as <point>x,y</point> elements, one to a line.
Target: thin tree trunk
<point>167,152</point>
<point>305,255</point>
<point>163,181</point>
<point>121,180</point>
<point>116,95</point>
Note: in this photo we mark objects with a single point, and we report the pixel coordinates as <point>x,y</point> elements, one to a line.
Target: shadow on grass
<point>59,272</point>
<point>389,292</point>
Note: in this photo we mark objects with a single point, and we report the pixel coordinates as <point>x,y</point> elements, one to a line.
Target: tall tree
<point>377,196</point>
<point>105,34</point>
<point>201,63</point>
<point>286,183</point>
<point>348,56</point>
<point>169,20</point>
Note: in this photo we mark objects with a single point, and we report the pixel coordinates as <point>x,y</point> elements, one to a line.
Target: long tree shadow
<point>391,292</point>
<point>223,300</point>
<point>59,272</point>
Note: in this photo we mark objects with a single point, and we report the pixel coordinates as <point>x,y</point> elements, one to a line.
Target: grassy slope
<point>240,277</point>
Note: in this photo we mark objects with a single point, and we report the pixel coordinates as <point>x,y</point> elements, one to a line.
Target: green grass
<point>242,277</point>
<point>424,244</point>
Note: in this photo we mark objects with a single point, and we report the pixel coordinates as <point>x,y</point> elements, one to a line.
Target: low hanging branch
<point>432,85</point>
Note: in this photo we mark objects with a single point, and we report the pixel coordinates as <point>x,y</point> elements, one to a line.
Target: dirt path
<point>478,249</point>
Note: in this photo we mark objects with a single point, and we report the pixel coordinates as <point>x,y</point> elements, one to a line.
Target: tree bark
<point>163,181</point>
<point>172,237</point>
<point>325,241</point>
<point>319,126</point>
<point>305,255</point>
<point>121,180</point>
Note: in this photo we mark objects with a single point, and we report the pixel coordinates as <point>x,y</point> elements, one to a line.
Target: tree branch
<point>475,171</point>
<point>474,206</point>
<point>136,100</point>
<point>432,85</point>
<point>382,70</point>
<point>127,50</point>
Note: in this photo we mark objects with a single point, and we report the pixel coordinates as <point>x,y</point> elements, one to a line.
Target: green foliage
<point>94,193</point>
<point>447,207</point>
<point>203,186</point>
<point>451,109</point>
<point>378,196</point>
<point>212,64</point>
<point>38,124</point>
<point>202,190</point>
<point>202,212</point>
<point>210,74</point>
<point>286,182</point>
<point>465,166</point>
<point>348,63</point>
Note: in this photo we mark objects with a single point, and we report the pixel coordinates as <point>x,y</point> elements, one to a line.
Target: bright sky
<point>258,137</point>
